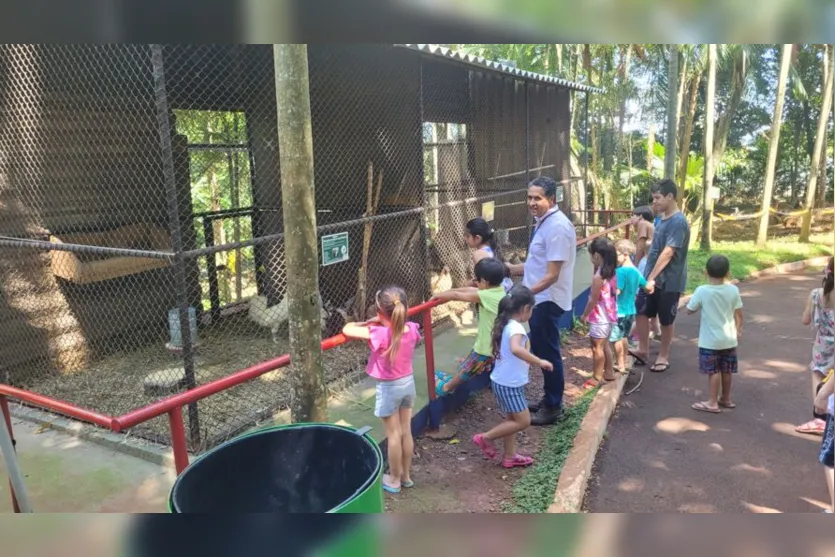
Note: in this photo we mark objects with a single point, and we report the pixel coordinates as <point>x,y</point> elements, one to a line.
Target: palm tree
<point>698,60</point>
<point>773,143</point>
<point>818,153</point>
<point>707,217</point>
<point>672,114</point>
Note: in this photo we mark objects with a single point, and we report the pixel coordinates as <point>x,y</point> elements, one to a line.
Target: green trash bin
<point>256,535</point>
<point>298,468</point>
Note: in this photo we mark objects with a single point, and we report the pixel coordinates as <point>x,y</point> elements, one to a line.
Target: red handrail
<point>59,406</point>
<point>166,405</point>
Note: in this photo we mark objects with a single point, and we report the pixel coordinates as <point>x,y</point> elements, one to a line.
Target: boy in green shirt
<point>489,274</point>
<point>719,332</point>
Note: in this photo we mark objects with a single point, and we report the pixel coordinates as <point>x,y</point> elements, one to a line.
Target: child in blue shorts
<point>719,332</point>
<point>510,375</point>
<point>630,280</point>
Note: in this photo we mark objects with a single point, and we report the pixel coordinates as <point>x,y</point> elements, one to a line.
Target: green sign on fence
<point>334,249</point>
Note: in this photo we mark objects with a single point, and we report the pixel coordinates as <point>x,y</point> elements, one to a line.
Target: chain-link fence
<point>141,215</point>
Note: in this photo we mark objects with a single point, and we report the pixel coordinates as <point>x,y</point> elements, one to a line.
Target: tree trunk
<point>723,126</point>
<point>773,144</point>
<point>682,87</point>
<point>672,115</point>
<point>650,147</point>
<point>818,153</point>
<point>308,396</point>
<point>707,215</point>
<point>684,144</point>
<point>624,80</point>
<point>822,180</point>
<point>595,194</point>
<point>558,48</point>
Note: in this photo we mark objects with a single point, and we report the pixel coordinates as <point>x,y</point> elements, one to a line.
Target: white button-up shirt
<point>554,240</point>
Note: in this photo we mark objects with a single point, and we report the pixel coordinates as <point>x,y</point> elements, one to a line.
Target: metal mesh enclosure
<point>141,217</point>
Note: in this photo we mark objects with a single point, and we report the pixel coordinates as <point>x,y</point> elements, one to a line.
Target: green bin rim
<point>369,483</point>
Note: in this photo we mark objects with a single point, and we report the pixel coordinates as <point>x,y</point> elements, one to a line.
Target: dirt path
<point>662,456</point>
<point>452,476</point>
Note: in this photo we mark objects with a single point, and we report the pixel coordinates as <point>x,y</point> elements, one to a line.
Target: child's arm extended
<point>806,319</point>
<point>358,331</point>
<point>594,296</point>
<point>517,348</point>
<point>695,304</point>
<point>738,322</point>
<point>465,294</point>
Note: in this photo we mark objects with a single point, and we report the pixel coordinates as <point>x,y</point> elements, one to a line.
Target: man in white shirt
<point>549,272</point>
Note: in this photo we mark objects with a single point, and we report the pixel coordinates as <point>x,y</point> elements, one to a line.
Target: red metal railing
<point>173,405</point>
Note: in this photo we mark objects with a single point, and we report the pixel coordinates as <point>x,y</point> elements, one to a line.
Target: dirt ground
<point>452,475</point>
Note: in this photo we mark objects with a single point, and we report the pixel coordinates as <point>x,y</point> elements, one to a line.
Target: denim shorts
<point>827,454</point>
<point>512,400</point>
<point>394,395</point>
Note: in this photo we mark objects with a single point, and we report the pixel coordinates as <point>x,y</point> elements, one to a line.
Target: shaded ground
<point>69,475</point>
<point>452,476</point>
<point>662,456</point>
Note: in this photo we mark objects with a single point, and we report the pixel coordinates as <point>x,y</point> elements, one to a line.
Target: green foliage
<point>534,491</point>
<point>746,258</point>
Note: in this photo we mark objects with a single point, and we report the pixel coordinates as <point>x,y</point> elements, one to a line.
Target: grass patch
<point>534,491</point>
<point>746,258</point>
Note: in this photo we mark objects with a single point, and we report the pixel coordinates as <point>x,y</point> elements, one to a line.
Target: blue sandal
<point>442,379</point>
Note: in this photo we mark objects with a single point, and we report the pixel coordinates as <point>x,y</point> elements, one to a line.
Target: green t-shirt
<point>488,309</point>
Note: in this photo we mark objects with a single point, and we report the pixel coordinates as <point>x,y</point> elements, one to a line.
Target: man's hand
<point>650,287</point>
<point>546,365</point>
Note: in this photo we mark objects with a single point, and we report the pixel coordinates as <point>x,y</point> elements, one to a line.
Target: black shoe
<point>547,415</point>
<point>534,408</point>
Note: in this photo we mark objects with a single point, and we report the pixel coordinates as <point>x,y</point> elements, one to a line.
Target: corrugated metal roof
<point>469,59</point>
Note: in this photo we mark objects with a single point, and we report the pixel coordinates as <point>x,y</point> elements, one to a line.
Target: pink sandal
<point>812,427</point>
<point>517,460</point>
<point>488,449</point>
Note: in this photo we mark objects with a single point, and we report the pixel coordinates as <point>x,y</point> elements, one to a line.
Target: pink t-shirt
<point>606,310</point>
<point>379,366</point>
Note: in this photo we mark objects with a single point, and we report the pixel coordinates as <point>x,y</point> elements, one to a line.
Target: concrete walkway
<point>67,474</point>
<point>662,456</point>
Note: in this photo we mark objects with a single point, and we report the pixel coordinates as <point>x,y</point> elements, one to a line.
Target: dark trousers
<point>545,344</point>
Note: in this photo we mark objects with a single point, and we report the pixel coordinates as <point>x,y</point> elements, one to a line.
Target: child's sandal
<point>442,379</point>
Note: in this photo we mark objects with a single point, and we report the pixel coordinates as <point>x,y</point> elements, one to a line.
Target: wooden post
<point>308,401</point>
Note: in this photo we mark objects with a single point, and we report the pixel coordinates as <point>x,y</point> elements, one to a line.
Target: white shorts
<point>600,330</point>
<point>394,395</point>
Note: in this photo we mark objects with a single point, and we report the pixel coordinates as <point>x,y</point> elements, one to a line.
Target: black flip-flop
<point>639,361</point>
<point>660,368</point>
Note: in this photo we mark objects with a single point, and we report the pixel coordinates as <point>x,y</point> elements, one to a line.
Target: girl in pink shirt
<point>392,341</point>
<point>602,310</point>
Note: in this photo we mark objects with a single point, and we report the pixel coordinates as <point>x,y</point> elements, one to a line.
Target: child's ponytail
<point>392,303</point>
<point>828,281</point>
<point>518,297</point>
